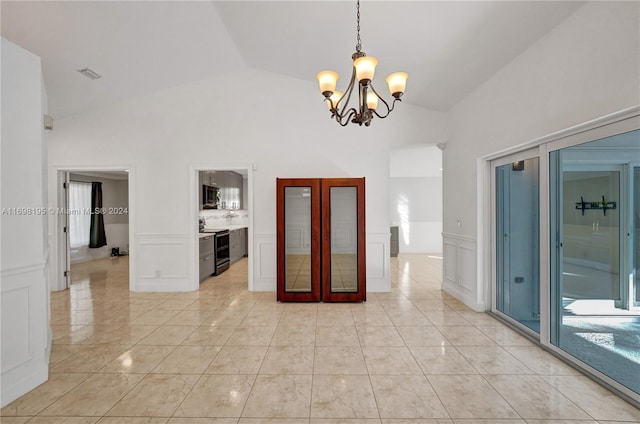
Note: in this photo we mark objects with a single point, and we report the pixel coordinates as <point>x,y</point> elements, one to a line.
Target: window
<point>79,216</point>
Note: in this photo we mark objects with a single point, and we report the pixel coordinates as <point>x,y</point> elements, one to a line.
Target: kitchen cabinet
<point>230,185</point>
<point>395,241</point>
<point>238,244</point>
<point>207,256</point>
<point>231,190</point>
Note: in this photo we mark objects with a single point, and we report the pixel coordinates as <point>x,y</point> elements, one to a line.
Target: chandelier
<point>368,98</point>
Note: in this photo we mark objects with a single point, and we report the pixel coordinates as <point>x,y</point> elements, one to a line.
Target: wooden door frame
<point>361,294</point>
<point>314,185</point>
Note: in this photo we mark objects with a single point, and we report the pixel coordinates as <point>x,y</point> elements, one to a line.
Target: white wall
<point>24,290</point>
<point>585,68</point>
<point>276,123</point>
<point>416,197</point>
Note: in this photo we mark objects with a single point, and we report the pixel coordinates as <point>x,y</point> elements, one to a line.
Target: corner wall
<point>585,68</point>
<point>23,265</point>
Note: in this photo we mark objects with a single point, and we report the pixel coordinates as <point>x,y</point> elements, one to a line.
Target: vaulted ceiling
<point>447,47</point>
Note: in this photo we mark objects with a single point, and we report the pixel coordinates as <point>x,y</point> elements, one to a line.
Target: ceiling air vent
<point>89,73</point>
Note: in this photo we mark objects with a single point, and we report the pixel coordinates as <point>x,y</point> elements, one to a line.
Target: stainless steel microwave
<point>209,197</point>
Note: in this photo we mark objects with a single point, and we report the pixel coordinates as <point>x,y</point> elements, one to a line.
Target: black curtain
<point>97,237</point>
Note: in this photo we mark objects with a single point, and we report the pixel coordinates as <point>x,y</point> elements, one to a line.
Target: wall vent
<point>89,73</point>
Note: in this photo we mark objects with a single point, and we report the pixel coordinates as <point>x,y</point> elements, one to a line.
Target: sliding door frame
<point>531,153</point>
<point>605,126</point>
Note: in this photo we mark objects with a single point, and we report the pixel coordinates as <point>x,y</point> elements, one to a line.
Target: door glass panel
<point>594,256</point>
<point>517,242</point>
<point>636,233</point>
<point>297,213</point>
<point>591,259</point>
<point>344,240</point>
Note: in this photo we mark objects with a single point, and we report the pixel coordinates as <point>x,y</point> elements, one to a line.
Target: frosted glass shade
<point>335,98</point>
<point>397,82</point>
<point>365,67</point>
<point>327,81</point>
<point>372,101</point>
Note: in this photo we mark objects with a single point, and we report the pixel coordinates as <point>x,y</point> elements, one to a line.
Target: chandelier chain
<point>358,40</point>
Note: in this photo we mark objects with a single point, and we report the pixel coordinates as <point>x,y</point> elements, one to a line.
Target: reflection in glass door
<point>591,247</point>
<point>517,242</point>
<point>635,228</point>
<point>594,255</point>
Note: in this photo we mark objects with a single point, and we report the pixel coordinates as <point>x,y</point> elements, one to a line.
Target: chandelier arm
<point>389,109</point>
<point>328,99</point>
<point>347,113</point>
<point>346,118</point>
<point>348,92</point>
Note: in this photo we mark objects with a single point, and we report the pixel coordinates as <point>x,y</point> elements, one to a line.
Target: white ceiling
<point>447,47</point>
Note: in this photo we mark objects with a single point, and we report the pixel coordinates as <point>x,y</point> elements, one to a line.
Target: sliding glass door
<point>517,241</point>
<point>635,242</point>
<point>565,238</point>
<point>594,255</point>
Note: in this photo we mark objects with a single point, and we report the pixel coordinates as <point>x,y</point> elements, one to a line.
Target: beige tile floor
<point>225,355</point>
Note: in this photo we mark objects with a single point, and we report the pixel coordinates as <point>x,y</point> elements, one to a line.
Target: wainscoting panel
<point>459,273</point>
<point>298,239</point>
<point>344,238</point>
<point>294,237</point>
<point>449,255</point>
<point>265,265</point>
<point>16,309</point>
<point>162,263</point>
<point>378,260</point>
<point>24,330</point>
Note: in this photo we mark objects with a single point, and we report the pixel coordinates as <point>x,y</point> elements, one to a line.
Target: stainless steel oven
<point>222,251</point>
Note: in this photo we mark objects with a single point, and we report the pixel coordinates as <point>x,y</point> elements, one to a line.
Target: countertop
<point>211,231</point>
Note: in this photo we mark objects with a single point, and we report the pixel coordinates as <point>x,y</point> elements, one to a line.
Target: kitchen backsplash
<point>215,218</point>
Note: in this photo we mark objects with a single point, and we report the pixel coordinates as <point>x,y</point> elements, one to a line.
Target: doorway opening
<point>93,225</point>
<point>222,209</point>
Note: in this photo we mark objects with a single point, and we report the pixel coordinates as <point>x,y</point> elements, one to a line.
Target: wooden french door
<point>343,240</point>
<point>298,210</point>
<point>321,239</point>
